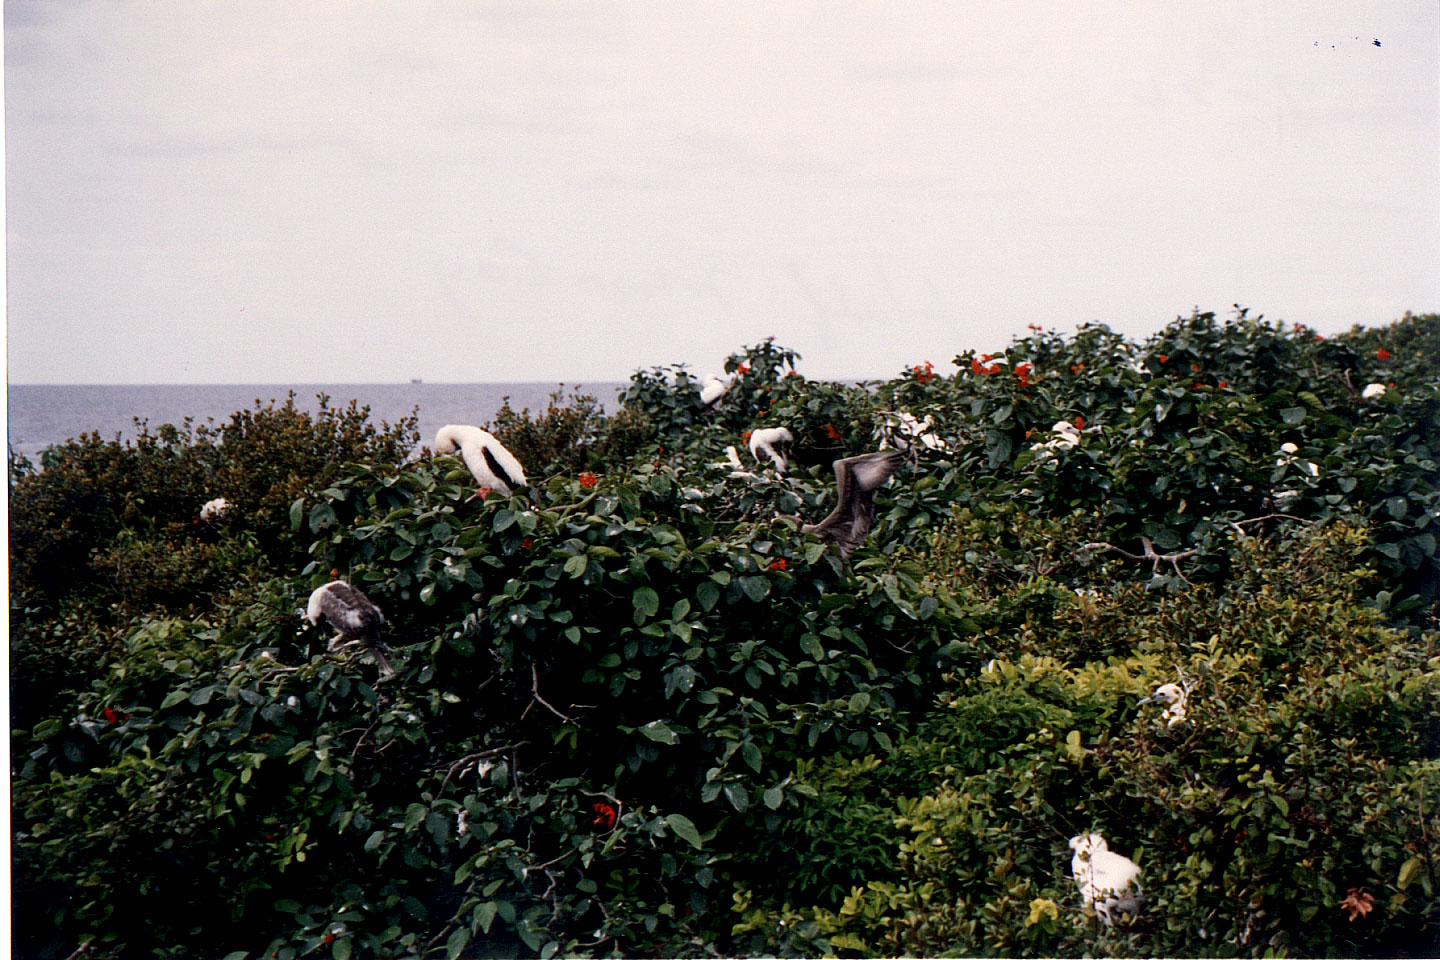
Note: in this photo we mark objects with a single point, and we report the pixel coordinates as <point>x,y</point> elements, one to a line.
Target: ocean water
<point>40,416</point>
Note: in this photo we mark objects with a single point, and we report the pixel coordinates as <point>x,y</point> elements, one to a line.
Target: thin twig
<point>471,758</point>
<point>1155,558</point>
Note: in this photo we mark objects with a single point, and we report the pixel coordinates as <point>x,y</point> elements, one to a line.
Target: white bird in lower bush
<point>713,388</point>
<point>1104,877</point>
<point>352,615</point>
<point>772,442</point>
<point>1176,696</point>
<point>491,464</point>
<point>214,509</point>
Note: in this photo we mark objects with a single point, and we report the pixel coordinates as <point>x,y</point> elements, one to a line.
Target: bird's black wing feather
<point>498,470</point>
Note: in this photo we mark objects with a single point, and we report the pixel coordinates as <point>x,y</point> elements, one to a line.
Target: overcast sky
<point>306,191</point>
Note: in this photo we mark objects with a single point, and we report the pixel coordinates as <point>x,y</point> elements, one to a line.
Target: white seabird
<point>900,430</point>
<point>352,615</point>
<point>214,509</point>
<point>1104,877</point>
<point>771,442</point>
<point>493,465</point>
<point>733,464</point>
<point>1176,696</point>
<point>856,480</point>
<point>714,387</point>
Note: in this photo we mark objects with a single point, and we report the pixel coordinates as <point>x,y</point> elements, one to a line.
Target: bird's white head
<point>1165,693</point>
<point>1088,843</point>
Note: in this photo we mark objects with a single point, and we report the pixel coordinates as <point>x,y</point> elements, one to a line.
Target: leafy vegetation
<point>636,711</point>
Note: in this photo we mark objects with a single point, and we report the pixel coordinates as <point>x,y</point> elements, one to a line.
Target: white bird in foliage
<point>772,442</point>
<point>1177,698</point>
<point>493,465</point>
<point>714,387</point>
<point>733,464</point>
<point>352,615</point>
<point>901,430</point>
<point>856,479</point>
<point>214,509</point>
<point>1104,877</point>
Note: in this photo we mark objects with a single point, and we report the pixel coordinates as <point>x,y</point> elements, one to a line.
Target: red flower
<point>328,938</point>
<point>986,358</point>
<point>604,814</point>
<point>483,492</point>
<point>1079,423</point>
<point>1034,326</point>
<point>793,373</point>
<point>1357,904</point>
<point>993,368</point>
<point>763,412</point>
<point>1076,367</point>
<point>1222,384</point>
<point>527,543</point>
<point>334,573</point>
<point>110,715</point>
<point>745,438</point>
<point>1194,366</point>
<point>588,480</point>
<point>742,369</point>
<point>778,564</point>
<point>1318,337</point>
<point>1299,328</point>
<point>832,432</point>
<point>1022,373</point>
<point>975,367</point>
<point>924,373</point>
<point>1382,354</point>
<point>1164,357</point>
<point>769,339</point>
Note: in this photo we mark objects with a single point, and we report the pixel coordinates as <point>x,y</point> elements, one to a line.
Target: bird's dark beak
<point>1142,703</point>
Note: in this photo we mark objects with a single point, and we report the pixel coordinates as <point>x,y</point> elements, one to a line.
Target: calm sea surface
<point>40,416</point>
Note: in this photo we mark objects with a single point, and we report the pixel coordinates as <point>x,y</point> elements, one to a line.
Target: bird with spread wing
<point>856,479</point>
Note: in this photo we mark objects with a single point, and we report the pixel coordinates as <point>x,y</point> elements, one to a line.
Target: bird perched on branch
<point>351,613</point>
<point>856,479</point>
<point>489,461</point>
<point>714,387</point>
<point>772,442</point>
<point>1104,877</point>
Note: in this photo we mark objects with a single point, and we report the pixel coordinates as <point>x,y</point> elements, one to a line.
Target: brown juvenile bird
<point>857,479</point>
<point>352,614</point>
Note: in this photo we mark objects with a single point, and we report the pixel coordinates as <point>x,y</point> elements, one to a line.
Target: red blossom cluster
<point>1076,367</point>
<point>1357,904</point>
<point>588,480</point>
<point>831,432</point>
<point>1222,384</point>
<point>1382,354</point>
<point>1164,357</point>
<point>924,373</point>
<point>483,492</point>
<point>745,437</point>
<point>778,564</point>
<point>1022,373</point>
<point>528,542</point>
<point>604,814</point>
<point>978,365</point>
<point>111,716</point>
<point>1079,423</point>
<point>742,369</point>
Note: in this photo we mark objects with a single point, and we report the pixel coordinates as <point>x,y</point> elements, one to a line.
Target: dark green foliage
<point>635,713</point>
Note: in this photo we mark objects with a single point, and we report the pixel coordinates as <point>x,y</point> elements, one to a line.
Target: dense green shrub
<point>636,712</point>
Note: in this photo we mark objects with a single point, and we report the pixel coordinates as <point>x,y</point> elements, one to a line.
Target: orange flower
<point>328,938</point>
<point>1164,357</point>
<point>1357,904</point>
<point>483,492</point>
<point>832,432</point>
<point>1194,366</point>
<point>1222,384</point>
<point>604,814</point>
<point>1079,423</point>
<point>745,438</point>
<point>1382,354</point>
<point>1022,373</point>
<point>924,373</point>
<point>993,368</point>
<point>778,564</point>
<point>110,715</point>
<point>975,367</point>
<point>742,369</point>
<point>334,573</point>
<point>1318,337</point>
<point>527,543</point>
<point>588,480</point>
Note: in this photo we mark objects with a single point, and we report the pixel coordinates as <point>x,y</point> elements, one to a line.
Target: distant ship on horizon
<point>416,380</point>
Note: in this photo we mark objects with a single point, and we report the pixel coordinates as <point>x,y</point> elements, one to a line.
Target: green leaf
<point>1293,415</point>
<point>576,565</point>
<point>774,797</point>
<point>647,603</point>
<point>1072,745</point>
<point>340,949</point>
<point>657,730</point>
<point>708,593</point>
<point>859,702</point>
<point>202,696</point>
<point>1408,869</point>
<point>504,519</point>
<point>297,514</point>
<point>1281,804</point>
<point>756,588</point>
<point>684,829</point>
<point>236,955</point>
<point>751,755</point>
<point>288,906</point>
<point>1396,507</point>
<point>457,942</point>
<point>485,915</point>
<point>322,517</point>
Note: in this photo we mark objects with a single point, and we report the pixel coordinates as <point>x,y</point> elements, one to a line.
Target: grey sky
<point>351,192</point>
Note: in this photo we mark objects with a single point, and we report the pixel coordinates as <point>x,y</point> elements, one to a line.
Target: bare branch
<point>1155,558</point>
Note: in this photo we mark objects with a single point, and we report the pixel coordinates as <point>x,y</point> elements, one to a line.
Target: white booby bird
<point>714,387</point>
<point>493,465</point>
<point>771,442</point>
<point>352,614</point>
<point>900,430</point>
<point>214,509</point>
<point>1104,877</point>
<point>856,480</point>
<point>1176,697</point>
<point>733,464</point>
